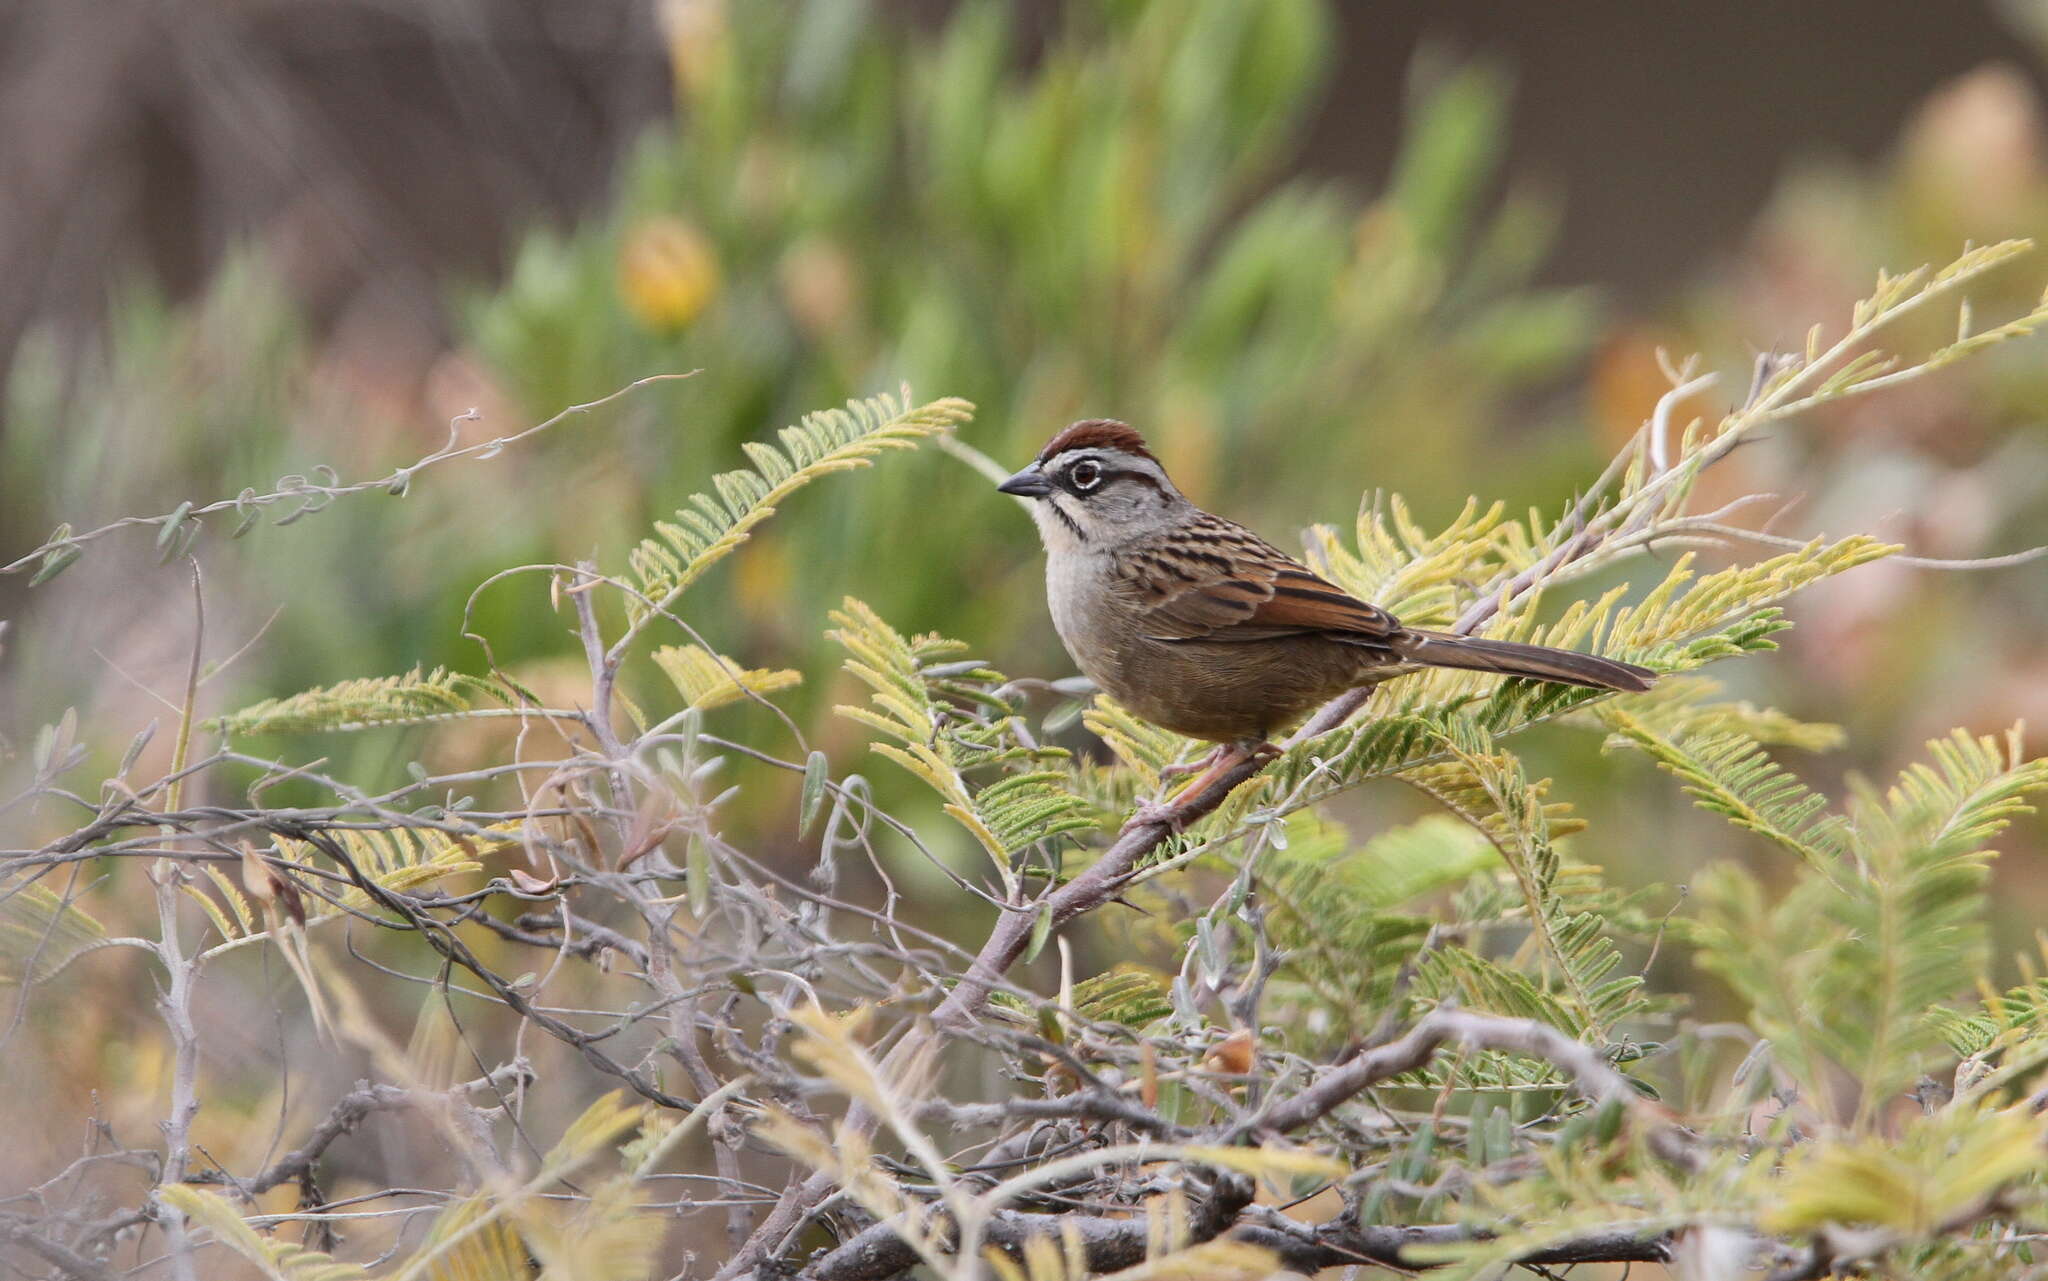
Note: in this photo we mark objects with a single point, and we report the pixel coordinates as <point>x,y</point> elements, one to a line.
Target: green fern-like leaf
<point>1479,984</point>
<point>1334,908</point>
<point>1846,967</point>
<point>611,1235</point>
<point>947,722</point>
<point>1423,578</point>
<point>707,528</point>
<point>406,858</point>
<point>469,1242</point>
<point>1917,912</point>
<point>41,933</point>
<point>1571,945</point>
<point>1689,706</point>
<point>1731,774</point>
<point>1397,866</point>
<point>1140,746</point>
<point>397,859</point>
<point>1937,1169</point>
<point>2006,1018</point>
<point>2004,1036</point>
<point>368,703</point>
<point>1461,789</point>
<point>275,1258</point>
<point>1974,787</point>
<point>1690,626</point>
<point>1127,994</point>
<point>707,680</point>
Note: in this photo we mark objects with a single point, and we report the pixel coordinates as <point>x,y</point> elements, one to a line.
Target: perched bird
<point>1199,625</point>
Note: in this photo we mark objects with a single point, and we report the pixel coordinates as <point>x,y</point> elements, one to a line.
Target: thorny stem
<point>184,741</point>
<point>174,1002</point>
<point>1583,532</point>
<point>350,1111</point>
<point>175,1005</point>
<point>1109,1243</point>
<point>314,495</point>
<point>657,915</point>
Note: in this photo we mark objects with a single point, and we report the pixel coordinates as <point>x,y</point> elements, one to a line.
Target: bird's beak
<point>1029,483</point>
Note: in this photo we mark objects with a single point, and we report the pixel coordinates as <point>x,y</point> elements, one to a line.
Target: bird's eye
<point>1087,474</point>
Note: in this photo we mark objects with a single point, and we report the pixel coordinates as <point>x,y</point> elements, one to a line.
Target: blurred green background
<point>1311,257</point>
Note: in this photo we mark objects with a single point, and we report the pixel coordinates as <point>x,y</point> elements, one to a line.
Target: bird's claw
<point>1169,772</point>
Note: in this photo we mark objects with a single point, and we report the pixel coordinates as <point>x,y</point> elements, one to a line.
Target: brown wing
<point>1214,580</point>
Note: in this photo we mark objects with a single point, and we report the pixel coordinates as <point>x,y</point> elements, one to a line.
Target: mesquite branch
<point>880,1251</point>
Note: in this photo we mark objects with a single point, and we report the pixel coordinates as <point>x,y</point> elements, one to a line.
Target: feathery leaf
<point>367,703</point>
<point>707,680</point>
<point>707,529</point>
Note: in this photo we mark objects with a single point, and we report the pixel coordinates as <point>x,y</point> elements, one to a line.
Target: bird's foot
<point>1171,772</point>
<point>1173,813</point>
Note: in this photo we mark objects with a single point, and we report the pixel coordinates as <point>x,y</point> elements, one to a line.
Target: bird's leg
<point>1193,767</point>
<point>1222,761</point>
<point>1219,762</point>
<point>1157,809</point>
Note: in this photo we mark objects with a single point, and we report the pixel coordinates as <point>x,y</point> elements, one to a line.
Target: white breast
<point>1078,585</point>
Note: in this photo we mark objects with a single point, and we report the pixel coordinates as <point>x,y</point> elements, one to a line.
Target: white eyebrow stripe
<point>1113,462</point>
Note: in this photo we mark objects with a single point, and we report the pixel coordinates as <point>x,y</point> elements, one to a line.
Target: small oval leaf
<point>56,562</point>
<point>171,524</point>
<point>697,878</point>
<point>135,747</point>
<point>1041,929</point>
<point>814,792</point>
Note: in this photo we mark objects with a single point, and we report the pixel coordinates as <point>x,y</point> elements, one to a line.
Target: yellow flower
<point>668,273</point>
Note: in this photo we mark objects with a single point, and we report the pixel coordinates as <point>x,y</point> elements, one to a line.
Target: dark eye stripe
<point>1088,477</point>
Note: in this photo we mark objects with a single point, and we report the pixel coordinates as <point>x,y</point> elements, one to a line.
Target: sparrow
<point>1197,624</point>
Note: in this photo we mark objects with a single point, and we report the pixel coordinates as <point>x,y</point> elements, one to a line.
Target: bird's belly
<point>1218,691</point>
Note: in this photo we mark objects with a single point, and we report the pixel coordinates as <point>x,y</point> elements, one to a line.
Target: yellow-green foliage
<point>495,1235</point>
<point>397,859</point>
<point>367,703</point>
<point>709,526</point>
<point>1094,227</point>
<point>1571,949</point>
<point>1911,1185</point>
<point>1348,917</point>
<point>1885,923</point>
<point>1424,578</point>
<point>707,680</point>
<point>946,723</point>
<point>41,932</point>
<point>1729,772</point>
<point>278,1258</point>
<point>1689,705</point>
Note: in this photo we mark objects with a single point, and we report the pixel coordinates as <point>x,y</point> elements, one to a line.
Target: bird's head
<point>1096,484</point>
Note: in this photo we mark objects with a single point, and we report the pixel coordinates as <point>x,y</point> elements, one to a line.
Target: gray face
<point>1092,498</point>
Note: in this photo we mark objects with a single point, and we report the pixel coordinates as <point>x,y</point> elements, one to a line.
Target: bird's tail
<point>1512,658</point>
